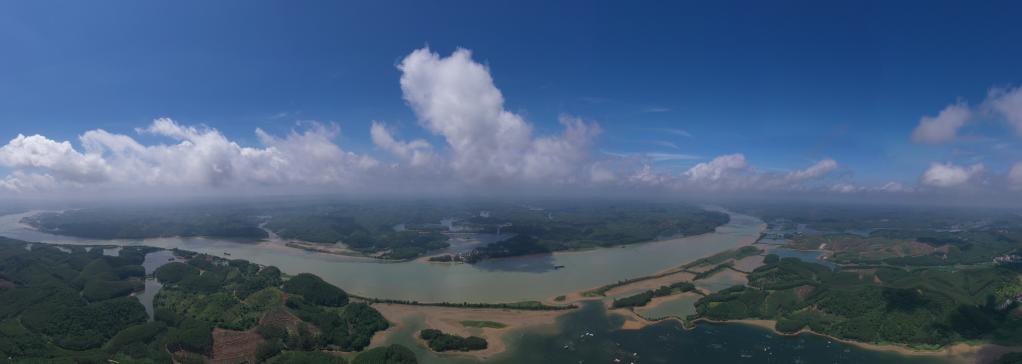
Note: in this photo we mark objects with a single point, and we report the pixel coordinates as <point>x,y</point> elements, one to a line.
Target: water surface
<point>153,261</point>
<point>499,280</point>
<point>808,256</point>
<point>679,306</point>
<point>591,335</point>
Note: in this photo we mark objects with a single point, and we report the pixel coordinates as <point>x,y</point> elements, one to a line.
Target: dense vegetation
<point>489,324</point>
<point>306,357</point>
<point>582,226</point>
<point>523,305</point>
<point>641,299</point>
<point>147,222</point>
<point>397,230</point>
<point>710,272</point>
<point>897,235</point>
<point>734,254</point>
<point>393,354</point>
<point>930,306</point>
<point>316,291</point>
<point>58,306</point>
<point>439,341</point>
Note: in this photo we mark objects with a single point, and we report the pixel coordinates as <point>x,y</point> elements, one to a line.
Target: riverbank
<point>962,352</point>
<point>959,352</point>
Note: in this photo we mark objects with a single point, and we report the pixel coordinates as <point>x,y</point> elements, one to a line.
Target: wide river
<point>501,280</point>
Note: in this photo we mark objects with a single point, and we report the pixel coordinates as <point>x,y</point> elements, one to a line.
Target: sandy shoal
<point>448,320</point>
<point>960,352</point>
<point>650,284</point>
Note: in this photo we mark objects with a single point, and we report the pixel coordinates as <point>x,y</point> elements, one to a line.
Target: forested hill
<point>923,307</point>
<point>74,305</point>
<point>396,230</point>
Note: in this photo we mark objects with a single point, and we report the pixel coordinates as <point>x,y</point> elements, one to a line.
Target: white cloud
<point>895,187</point>
<point>675,131</point>
<point>730,172</point>
<point>889,187</point>
<point>200,157</point>
<point>718,169</point>
<point>19,181</point>
<point>1015,176</point>
<point>455,97</point>
<point>59,158</point>
<point>417,153</point>
<point>944,127</point>
<point>950,175</point>
<point>845,188</point>
<point>1007,103</point>
<point>820,169</point>
<point>660,157</point>
<point>646,176</point>
<point>665,144</point>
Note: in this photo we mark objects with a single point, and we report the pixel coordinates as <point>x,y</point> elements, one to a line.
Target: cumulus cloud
<point>950,175</point>
<point>944,127</point>
<point>198,157</point>
<point>417,153</point>
<point>455,97</point>
<point>732,172</point>
<point>20,181</point>
<point>1007,103</point>
<point>895,187</point>
<point>720,168</point>
<point>820,169</point>
<point>59,158</point>
<point>889,187</point>
<point>845,188</point>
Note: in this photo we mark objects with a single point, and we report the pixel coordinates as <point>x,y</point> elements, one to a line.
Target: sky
<point>868,98</point>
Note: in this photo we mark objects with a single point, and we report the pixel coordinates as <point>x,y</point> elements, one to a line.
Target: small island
<point>440,342</point>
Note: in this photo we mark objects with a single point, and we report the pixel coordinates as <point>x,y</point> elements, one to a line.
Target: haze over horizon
<point>891,104</point>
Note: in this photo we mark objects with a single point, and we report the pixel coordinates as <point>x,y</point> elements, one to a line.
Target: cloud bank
<point>476,143</point>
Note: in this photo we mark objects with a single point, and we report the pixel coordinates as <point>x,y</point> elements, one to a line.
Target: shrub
<point>316,291</point>
<point>393,354</point>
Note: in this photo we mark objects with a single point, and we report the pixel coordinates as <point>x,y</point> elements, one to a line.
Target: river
<point>498,280</point>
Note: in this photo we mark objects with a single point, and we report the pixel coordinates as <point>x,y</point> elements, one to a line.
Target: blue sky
<point>786,84</point>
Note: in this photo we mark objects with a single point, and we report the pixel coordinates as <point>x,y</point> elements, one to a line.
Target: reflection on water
<point>152,262</point>
<point>465,242</point>
<point>507,280</point>
<point>808,256</point>
<point>538,263</point>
